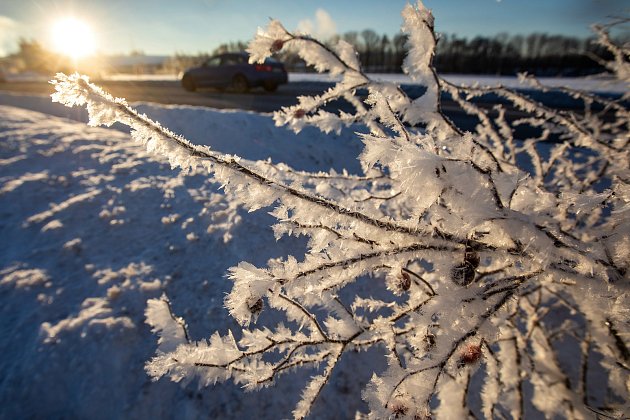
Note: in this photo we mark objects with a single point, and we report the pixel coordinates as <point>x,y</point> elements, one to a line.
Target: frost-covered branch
<point>452,251</point>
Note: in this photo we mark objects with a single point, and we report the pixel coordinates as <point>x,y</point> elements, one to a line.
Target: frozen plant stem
<point>481,258</point>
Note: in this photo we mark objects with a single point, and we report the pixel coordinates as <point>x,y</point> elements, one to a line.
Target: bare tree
<point>370,46</point>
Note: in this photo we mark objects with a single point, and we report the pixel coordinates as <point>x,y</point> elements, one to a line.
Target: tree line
<point>540,54</point>
<point>503,54</point>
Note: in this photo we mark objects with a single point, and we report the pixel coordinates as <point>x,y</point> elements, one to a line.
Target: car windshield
<point>244,57</point>
<point>213,62</point>
<point>234,59</point>
<point>230,60</point>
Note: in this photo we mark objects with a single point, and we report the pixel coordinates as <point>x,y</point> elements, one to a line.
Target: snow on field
<point>596,83</point>
<point>92,226</point>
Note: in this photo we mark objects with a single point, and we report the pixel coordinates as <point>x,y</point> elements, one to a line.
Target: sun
<point>73,37</point>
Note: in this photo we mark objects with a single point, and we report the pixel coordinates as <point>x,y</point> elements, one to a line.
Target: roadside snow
<point>595,83</point>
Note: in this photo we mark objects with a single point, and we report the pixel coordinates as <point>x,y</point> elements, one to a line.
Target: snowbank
<point>92,227</point>
<point>596,83</point>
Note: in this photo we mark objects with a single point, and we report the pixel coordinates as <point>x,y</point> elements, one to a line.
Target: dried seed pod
<point>398,282</point>
<point>398,409</point>
<point>464,274</point>
<point>404,281</point>
<point>470,354</point>
<point>277,45</point>
<point>256,307</point>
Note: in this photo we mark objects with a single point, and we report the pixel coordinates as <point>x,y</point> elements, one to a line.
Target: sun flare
<point>73,37</point>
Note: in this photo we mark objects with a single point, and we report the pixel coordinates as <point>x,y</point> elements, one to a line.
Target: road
<point>171,93</point>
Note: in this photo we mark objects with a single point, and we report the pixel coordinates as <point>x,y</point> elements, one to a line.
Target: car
<point>232,70</point>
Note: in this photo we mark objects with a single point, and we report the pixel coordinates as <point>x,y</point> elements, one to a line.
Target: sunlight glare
<point>73,37</point>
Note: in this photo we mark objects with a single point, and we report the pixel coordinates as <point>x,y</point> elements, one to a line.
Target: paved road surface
<point>171,92</point>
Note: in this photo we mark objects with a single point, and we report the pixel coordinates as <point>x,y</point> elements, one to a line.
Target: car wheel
<point>239,83</point>
<point>188,83</point>
<point>270,86</point>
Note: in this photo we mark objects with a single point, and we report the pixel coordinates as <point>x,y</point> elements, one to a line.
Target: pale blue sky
<point>190,26</point>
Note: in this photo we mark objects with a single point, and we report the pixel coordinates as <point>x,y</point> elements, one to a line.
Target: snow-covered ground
<point>92,227</point>
<point>594,83</point>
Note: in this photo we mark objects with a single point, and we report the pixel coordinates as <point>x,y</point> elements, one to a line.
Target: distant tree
<point>32,56</point>
<point>352,38</point>
<point>398,42</point>
<point>370,47</point>
<point>237,46</point>
<point>540,54</point>
<point>180,62</point>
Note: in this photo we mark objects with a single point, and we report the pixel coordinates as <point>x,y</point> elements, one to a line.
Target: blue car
<point>232,70</point>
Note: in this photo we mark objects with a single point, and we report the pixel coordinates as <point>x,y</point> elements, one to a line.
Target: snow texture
<point>75,285</point>
<point>466,261</point>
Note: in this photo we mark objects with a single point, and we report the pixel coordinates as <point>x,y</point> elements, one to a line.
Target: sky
<point>164,27</point>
